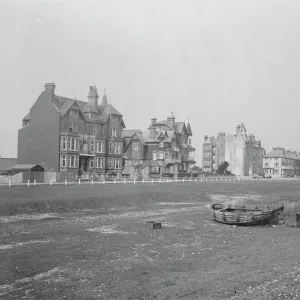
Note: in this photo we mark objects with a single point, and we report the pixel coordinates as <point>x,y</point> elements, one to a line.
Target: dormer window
<point>161,144</point>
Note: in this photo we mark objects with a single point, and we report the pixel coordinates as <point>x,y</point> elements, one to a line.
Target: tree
<point>222,169</point>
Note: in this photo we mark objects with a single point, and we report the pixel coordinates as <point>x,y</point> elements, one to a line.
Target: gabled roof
<point>282,153</point>
<point>7,163</point>
<point>105,110</point>
<point>130,132</point>
<point>163,125</point>
<point>179,126</point>
<point>26,166</point>
<point>148,139</point>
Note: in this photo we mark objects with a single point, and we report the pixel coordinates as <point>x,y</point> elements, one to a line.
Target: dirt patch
<point>107,230</point>
<point>10,246</point>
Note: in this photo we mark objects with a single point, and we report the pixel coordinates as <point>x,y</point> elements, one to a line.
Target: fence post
<point>65,181</point>
<point>134,181</point>
<point>152,180</point>
<point>190,179</point>
<point>143,180</point>
<point>159,180</point>
<point>34,182</point>
<point>79,181</point>
<point>51,181</point>
<point>92,181</point>
<point>28,183</point>
<point>124,180</point>
<point>103,181</point>
<point>9,183</point>
<point>115,181</point>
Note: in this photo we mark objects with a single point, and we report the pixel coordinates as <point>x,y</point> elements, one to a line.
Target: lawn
<point>91,242</point>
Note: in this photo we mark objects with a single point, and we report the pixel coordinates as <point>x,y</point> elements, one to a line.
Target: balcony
<point>172,161</point>
<point>85,151</point>
<point>188,158</point>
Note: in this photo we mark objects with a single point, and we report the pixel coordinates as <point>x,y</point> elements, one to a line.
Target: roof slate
<point>24,166</point>
<point>130,132</point>
<point>189,129</point>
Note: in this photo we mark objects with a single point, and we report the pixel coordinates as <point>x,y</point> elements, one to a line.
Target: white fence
<point>163,180</point>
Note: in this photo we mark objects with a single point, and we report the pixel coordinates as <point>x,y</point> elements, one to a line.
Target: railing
<point>113,180</point>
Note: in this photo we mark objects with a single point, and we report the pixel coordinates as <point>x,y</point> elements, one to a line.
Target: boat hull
<point>247,217</point>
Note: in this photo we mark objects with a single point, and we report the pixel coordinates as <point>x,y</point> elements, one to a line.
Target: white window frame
<point>64,143</point>
<point>110,148</point>
<point>135,145</point>
<point>117,148</point>
<point>161,155</point>
<point>92,146</point>
<point>92,163</point>
<point>154,155</point>
<point>110,163</point>
<point>72,161</point>
<point>118,164</point>
<point>102,147</point>
<point>102,162</point>
<point>64,161</point>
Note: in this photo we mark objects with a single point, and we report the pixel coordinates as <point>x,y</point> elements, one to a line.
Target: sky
<point>217,63</point>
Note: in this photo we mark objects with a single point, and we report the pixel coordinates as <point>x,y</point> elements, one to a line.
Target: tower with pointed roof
<point>70,135</point>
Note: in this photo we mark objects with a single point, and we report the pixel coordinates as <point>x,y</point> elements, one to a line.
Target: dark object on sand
<point>297,220</point>
<point>243,216</point>
<point>217,206</point>
<point>153,225</point>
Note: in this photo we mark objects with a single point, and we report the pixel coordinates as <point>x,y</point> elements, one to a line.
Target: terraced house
<point>65,134</point>
<point>165,148</point>
<point>281,163</point>
<point>213,150</point>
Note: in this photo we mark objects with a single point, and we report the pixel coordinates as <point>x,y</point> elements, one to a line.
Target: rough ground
<point>91,242</point>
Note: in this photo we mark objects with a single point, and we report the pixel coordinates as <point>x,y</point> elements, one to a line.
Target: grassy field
<point>91,242</point>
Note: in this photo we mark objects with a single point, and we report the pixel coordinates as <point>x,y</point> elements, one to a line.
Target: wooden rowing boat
<point>243,216</point>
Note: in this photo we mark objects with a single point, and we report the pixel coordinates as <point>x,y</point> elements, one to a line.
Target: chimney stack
<point>153,121</point>
<point>205,138</point>
<point>93,97</point>
<point>171,121</point>
<point>50,87</point>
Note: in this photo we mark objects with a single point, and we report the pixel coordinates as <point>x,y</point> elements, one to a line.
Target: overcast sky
<point>216,62</point>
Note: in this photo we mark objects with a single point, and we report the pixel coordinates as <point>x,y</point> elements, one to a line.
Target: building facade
<point>66,134</point>
<point>165,148</point>
<point>243,153</point>
<point>281,163</point>
<point>213,150</point>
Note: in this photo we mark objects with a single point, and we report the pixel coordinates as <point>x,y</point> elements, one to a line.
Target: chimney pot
<point>93,97</point>
<point>50,86</point>
<point>153,121</point>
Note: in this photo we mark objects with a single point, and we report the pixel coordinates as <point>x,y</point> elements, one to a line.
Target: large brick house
<point>65,134</point>
<point>213,152</point>
<point>166,147</point>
